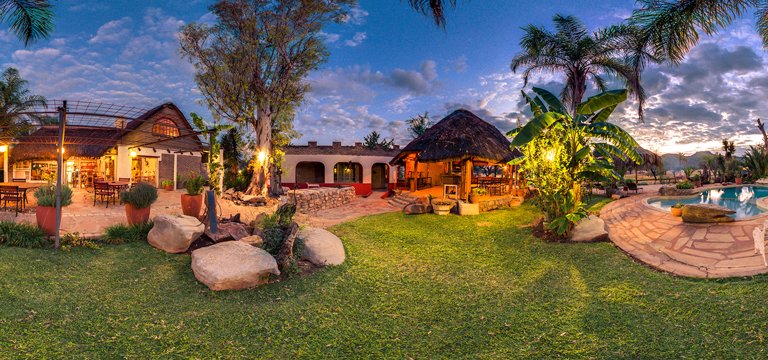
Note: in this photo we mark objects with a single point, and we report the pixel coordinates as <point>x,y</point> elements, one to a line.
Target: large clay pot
<point>168,187</point>
<point>136,216</point>
<point>46,219</point>
<point>738,181</point>
<point>191,204</point>
<point>676,211</point>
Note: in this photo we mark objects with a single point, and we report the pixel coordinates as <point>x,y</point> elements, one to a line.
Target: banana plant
<point>583,145</point>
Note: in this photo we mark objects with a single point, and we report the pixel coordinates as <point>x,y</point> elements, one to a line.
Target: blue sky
<point>388,63</point>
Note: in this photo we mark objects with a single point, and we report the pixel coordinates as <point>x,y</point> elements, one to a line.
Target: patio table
<point>23,187</point>
<point>118,185</point>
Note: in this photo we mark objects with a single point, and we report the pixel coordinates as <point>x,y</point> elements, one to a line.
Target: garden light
<point>3,148</point>
<point>262,156</point>
<point>132,153</point>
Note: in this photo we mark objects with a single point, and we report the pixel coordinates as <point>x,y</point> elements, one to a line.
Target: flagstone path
<point>664,242</point>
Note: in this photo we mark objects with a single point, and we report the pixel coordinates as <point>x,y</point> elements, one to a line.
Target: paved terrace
<point>664,242</point>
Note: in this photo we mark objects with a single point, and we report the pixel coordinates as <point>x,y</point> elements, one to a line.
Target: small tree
<point>419,124</point>
<point>214,159</point>
<point>374,140</point>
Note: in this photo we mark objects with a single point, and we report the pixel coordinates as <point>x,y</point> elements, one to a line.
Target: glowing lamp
<point>133,153</point>
<point>550,155</point>
<point>262,156</point>
<point>3,148</point>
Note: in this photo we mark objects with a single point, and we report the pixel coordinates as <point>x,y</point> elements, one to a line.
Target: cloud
<point>329,37</point>
<point>357,39</point>
<point>356,16</point>
<point>458,64</point>
<point>112,32</point>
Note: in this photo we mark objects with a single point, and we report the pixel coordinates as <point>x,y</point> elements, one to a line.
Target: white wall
<point>329,161</point>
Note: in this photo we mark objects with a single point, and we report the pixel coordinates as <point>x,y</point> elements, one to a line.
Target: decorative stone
<point>706,213</point>
<point>415,209</point>
<point>469,209</point>
<point>590,229</point>
<point>673,191</point>
<point>615,196</point>
<point>253,240</point>
<point>228,231</point>
<point>232,265</point>
<point>321,247</point>
<point>174,233</point>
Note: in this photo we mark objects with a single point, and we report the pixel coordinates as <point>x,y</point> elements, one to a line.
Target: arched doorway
<point>348,172</point>
<point>379,176</point>
<point>310,172</point>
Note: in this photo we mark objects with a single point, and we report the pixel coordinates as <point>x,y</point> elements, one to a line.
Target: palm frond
<point>30,20</point>
<point>433,8</point>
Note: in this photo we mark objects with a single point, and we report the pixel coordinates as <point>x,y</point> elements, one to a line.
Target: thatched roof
<point>80,141</point>
<point>460,136</point>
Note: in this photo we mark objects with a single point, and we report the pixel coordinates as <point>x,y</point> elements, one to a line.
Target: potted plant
<point>167,185</point>
<point>677,209</point>
<point>46,206</point>
<point>138,201</point>
<point>477,195</point>
<point>192,201</point>
<point>443,206</point>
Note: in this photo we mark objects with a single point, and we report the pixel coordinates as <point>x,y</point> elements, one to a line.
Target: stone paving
<point>664,242</point>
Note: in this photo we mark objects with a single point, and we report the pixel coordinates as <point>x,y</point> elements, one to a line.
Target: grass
<point>595,203</point>
<point>412,287</point>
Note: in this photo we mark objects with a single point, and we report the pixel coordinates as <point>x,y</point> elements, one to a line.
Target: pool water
<point>740,199</point>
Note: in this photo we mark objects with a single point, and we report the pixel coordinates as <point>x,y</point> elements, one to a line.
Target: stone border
<point>706,188</point>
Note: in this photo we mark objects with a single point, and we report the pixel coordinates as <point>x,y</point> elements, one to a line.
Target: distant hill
<point>673,161</point>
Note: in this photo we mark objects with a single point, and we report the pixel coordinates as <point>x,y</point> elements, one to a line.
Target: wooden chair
<point>12,194</point>
<point>633,187</point>
<point>102,190</point>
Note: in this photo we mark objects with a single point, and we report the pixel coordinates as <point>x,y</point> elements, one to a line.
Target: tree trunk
<point>285,254</point>
<point>263,128</point>
<point>761,126</point>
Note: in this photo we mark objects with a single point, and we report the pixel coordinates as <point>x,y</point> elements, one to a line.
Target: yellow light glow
<point>133,153</point>
<point>3,148</point>
<point>550,155</point>
<point>70,162</point>
<point>262,156</point>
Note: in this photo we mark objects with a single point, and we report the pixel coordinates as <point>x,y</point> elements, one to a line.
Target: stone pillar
<point>328,172</point>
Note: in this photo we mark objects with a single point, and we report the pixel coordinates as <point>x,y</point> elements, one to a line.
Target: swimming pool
<point>741,199</point>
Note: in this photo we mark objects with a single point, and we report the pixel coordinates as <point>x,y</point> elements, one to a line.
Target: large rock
<point>706,213</point>
<point>589,229</point>
<point>233,265</point>
<point>174,233</point>
<point>415,209</point>
<point>228,231</point>
<point>321,247</point>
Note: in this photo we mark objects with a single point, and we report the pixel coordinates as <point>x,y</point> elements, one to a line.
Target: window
<point>348,172</point>
<point>165,127</point>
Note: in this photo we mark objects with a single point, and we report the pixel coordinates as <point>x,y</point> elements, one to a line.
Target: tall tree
<point>252,63</point>
<point>230,145</point>
<point>729,149</point>
<point>672,28</point>
<point>282,135</point>
<point>582,56</point>
<point>15,98</point>
<point>419,124</point>
<point>30,20</point>
<point>374,140</point>
<point>433,8</point>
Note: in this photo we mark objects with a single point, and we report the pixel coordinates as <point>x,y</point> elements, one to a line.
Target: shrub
<point>274,227</point>
<point>73,240</point>
<point>46,195</point>
<point>22,235</point>
<point>120,233</point>
<point>685,185</point>
<point>696,177</point>
<point>166,183</point>
<point>678,206</point>
<point>194,184</point>
<point>141,196</point>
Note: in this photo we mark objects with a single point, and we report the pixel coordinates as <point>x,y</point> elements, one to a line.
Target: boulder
<point>321,247</point>
<point>254,199</point>
<point>232,265</point>
<point>706,213</point>
<point>253,240</point>
<point>616,196</point>
<point>228,231</point>
<point>415,209</point>
<point>174,233</point>
<point>590,229</point>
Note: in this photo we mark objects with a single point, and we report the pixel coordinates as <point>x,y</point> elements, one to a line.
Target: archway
<point>310,172</point>
<point>379,176</point>
<point>348,172</point>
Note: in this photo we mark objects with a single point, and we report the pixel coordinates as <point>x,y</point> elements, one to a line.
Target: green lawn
<point>413,287</point>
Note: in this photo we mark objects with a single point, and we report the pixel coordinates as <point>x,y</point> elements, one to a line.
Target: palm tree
<point>30,20</point>
<point>583,56</point>
<point>15,98</point>
<point>672,28</point>
<point>433,8</point>
<point>728,148</point>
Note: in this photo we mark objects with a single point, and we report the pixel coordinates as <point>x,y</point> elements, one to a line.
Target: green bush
<point>141,196</point>
<point>166,183</point>
<point>22,235</point>
<point>194,184</point>
<point>73,240</point>
<point>121,233</point>
<point>685,185</point>
<point>46,195</point>
<point>678,206</point>
<point>275,226</point>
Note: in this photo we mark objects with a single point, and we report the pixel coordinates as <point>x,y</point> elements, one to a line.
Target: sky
<point>389,63</point>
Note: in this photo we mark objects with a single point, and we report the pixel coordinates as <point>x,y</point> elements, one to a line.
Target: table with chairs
<point>16,193</point>
<point>106,191</point>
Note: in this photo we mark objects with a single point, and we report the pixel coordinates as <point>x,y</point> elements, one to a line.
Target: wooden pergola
<point>459,137</point>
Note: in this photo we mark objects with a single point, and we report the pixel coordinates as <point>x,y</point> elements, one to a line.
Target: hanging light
<point>3,148</point>
<point>133,153</point>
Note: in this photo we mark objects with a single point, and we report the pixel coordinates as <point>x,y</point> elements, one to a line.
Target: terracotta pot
<point>136,216</point>
<point>697,183</point>
<point>676,211</point>
<point>191,204</point>
<point>46,219</point>
<point>169,187</point>
<point>738,181</point>
<point>472,198</point>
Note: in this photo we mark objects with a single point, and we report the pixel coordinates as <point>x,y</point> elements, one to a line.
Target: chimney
<point>358,144</point>
<point>336,144</point>
<point>312,143</point>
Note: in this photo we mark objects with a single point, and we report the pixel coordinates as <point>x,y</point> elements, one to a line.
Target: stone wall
<point>500,202</point>
<point>166,167</point>
<point>315,199</point>
<point>189,163</point>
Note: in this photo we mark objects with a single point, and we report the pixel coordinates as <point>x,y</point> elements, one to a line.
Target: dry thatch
<point>460,136</point>
<point>90,142</point>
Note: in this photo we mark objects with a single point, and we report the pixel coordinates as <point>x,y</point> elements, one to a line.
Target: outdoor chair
<point>758,235</point>
<point>12,194</point>
<point>633,187</point>
<point>103,191</point>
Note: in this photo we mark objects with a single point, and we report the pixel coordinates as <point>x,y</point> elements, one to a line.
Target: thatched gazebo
<point>649,160</point>
<point>460,137</point>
